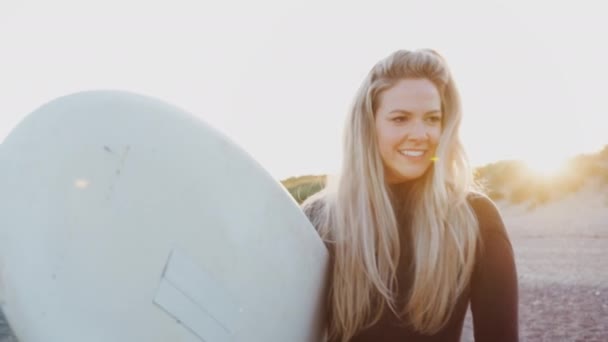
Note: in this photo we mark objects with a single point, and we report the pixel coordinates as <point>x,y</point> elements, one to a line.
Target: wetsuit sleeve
<point>494,289</point>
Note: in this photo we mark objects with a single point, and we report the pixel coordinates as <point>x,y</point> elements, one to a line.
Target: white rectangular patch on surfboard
<point>196,300</point>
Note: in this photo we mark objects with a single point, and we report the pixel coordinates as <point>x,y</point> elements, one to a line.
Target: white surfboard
<point>123,218</point>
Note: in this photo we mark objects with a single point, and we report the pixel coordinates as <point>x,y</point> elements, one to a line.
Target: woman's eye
<point>435,119</point>
<point>399,119</point>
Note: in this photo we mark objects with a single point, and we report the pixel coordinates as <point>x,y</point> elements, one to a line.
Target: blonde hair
<point>359,223</point>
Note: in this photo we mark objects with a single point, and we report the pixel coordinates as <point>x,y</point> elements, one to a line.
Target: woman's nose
<point>418,131</point>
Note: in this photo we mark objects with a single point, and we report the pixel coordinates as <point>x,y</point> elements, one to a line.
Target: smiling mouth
<point>413,153</point>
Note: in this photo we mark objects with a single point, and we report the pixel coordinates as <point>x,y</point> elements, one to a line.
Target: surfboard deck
<point>125,218</point>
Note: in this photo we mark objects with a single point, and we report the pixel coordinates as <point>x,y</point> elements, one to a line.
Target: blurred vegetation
<point>510,180</point>
<point>303,187</point>
<point>516,183</point>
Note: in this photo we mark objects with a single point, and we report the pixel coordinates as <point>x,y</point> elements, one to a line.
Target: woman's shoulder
<point>480,202</point>
<point>487,213</point>
<point>315,209</point>
<point>313,206</point>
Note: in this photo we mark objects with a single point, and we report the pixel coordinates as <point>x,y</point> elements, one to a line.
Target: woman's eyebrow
<point>402,111</point>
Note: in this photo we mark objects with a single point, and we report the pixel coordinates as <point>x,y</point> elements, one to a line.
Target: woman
<point>411,244</point>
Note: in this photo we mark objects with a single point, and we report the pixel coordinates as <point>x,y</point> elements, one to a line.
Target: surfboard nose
<point>125,218</point>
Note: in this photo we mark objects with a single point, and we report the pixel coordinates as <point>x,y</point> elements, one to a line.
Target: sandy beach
<point>561,252</point>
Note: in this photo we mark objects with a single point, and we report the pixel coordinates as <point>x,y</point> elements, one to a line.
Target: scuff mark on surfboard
<point>120,166</point>
<point>123,159</point>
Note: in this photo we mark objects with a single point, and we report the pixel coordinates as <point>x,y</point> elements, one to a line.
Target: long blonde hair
<point>359,223</point>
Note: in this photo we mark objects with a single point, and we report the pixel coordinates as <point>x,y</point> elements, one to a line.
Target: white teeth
<point>412,153</point>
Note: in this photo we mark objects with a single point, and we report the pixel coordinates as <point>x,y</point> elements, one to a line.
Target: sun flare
<point>545,167</point>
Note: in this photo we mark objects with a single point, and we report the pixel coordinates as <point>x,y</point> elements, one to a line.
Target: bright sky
<point>278,76</point>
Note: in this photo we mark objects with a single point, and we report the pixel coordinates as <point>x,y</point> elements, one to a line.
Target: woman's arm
<point>494,289</point>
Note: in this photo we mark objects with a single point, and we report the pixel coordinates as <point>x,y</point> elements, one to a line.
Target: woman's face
<point>408,126</point>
